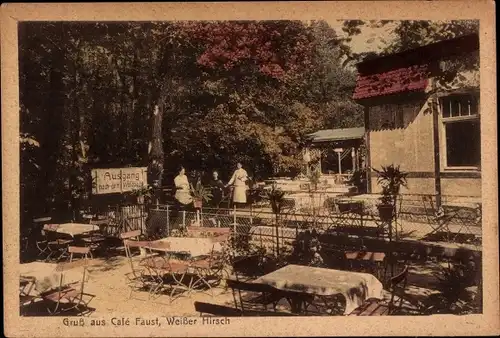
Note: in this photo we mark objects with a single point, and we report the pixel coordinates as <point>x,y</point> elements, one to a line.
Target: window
<point>462,130</point>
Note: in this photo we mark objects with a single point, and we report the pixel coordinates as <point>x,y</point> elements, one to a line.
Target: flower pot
<point>140,199</point>
<point>386,212</point>
<point>344,206</point>
<point>197,203</point>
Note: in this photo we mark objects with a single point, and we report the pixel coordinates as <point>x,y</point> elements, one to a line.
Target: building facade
<point>422,112</point>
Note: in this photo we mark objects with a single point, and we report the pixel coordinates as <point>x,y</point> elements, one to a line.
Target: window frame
<point>461,118</point>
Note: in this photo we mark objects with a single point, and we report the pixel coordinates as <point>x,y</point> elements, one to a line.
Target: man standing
<point>238,180</point>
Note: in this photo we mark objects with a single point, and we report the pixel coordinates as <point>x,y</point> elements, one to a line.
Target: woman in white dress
<point>238,180</point>
<point>182,191</point>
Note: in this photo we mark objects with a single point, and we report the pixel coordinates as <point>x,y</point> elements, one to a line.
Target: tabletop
<point>72,228</point>
<point>354,286</point>
<point>196,246</point>
<point>365,256</point>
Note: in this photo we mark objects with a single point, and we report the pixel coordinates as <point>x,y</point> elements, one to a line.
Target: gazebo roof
<point>326,135</point>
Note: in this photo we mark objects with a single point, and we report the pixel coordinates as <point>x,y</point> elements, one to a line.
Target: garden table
<point>306,280</point>
<point>72,229</point>
<point>195,246</point>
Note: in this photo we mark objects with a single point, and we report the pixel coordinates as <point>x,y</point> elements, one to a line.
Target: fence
<point>123,218</point>
<point>317,210</point>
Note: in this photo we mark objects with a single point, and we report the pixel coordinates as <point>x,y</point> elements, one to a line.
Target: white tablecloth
<point>354,286</point>
<point>74,229</point>
<point>194,245</point>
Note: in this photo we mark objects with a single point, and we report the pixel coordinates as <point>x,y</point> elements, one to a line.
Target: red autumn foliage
<point>278,49</point>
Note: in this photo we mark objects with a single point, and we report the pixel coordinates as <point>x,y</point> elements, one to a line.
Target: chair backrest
<point>78,249</point>
<point>249,286</point>
<point>131,234</point>
<point>238,286</point>
<point>213,231</point>
<point>216,310</point>
<point>398,285</point>
<point>87,218</point>
<point>66,266</point>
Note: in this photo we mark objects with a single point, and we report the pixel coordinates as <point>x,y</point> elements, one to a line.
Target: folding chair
<point>256,296</point>
<point>66,297</point>
<point>84,251</point>
<point>468,217</point>
<point>26,285</point>
<point>366,261</point>
<point>94,240</point>
<point>208,271</point>
<point>40,236</point>
<point>57,243</point>
<point>130,236</point>
<point>169,274</point>
<point>437,219</point>
<point>376,307</point>
<point>137,278</point>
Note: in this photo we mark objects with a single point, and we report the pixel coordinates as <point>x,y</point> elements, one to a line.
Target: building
<point>422,112</point>
<point>337,150</point>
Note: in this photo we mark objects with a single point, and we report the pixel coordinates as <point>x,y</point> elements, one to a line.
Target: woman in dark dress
<point>217,188</point>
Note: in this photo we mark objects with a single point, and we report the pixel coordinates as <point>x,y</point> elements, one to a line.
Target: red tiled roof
<point>413,78</point>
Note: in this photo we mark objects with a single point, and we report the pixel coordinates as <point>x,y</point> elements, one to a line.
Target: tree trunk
<point>156,156</point>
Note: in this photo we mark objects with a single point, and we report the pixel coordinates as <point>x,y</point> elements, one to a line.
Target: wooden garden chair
<point>77,250</point>
<point>40,236</point>
<point>437,218</point>
<point>57,243</point>
<point>129,236</point>
<point>138,278</point>
<point>249,296</point>
<point>169,274</point>
<point>68,296</point>
<point>26,285</point>
<point>376,307</point>
<point>94,240</point>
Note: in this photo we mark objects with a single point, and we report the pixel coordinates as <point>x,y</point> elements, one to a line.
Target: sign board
<point>338,150</point>
<point>118,180</point>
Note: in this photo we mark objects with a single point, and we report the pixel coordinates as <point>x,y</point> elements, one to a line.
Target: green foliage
<point>391,179</point>
<point>410,34</point>
<point>247,91</point>
<point>453,283</point>
<point>314,178</point>
<point>358,179</point>
<point>277,198</point>
<point>200,193</point>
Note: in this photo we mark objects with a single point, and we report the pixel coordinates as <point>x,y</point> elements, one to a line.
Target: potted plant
<point>277,198</point>
<point>314,179</point>
<point>142,194</point>
<point>358,179</point>
<point>200,193</point>
<point>391,179</point>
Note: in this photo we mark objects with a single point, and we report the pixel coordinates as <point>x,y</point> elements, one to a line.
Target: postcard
<point>250,169</point>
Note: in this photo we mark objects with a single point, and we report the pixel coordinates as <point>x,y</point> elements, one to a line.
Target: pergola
<point>342,141</point>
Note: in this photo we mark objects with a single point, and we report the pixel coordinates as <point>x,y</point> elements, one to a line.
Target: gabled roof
<point>413,78</point>
<point>408,70</point>
<point>337,134</point>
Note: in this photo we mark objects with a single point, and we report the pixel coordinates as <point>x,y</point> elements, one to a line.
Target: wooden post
<point>234,218</point>
<point>184,218</point>
<point>437,156</point>
<point>168,221</point>
<point>367,163</point>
